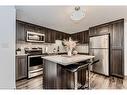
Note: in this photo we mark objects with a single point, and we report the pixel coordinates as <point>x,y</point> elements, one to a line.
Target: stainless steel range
<point>35,62</point>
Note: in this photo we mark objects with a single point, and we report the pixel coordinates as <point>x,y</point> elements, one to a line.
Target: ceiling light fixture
<point>78,14</point>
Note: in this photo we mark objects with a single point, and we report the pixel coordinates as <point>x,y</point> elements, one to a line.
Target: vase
<point>69,52</point>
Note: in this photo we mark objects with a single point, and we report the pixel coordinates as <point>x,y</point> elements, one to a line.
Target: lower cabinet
<point>21,67</point>
<point>117,66</point>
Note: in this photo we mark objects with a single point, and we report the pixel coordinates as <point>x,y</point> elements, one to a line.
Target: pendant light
<point>78,14</point>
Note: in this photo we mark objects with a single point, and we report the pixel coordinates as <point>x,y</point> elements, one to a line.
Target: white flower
<point>69,44</point>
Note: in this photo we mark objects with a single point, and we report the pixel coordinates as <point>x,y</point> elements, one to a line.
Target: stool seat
<point>72,67</point>
<point>75,67</point>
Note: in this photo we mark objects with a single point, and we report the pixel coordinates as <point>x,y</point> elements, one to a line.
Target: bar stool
<point>91,62</point>
<point>74,68</point>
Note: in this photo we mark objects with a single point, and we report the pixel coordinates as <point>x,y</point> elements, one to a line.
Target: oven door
<point>35,65</point>
<point>35,62</point>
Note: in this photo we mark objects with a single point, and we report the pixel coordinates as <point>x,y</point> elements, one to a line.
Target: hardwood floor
<point>96,82</point>
<point>33,83</point>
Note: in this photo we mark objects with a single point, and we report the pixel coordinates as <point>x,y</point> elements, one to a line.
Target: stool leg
<point>75,80</point>
<point>89,76</point>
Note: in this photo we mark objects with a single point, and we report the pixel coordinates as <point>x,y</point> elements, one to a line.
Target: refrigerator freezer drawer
<point>102,66</point>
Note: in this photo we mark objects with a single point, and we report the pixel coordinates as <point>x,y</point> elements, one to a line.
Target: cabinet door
<point>29,27</point>
<point>117,49</point>
<point>78,37</point>
<point>59,35</point>
<point>86,37</point>
<point>47,36</point>
<point>53,36</point>
<point>65,36</point>
<point>17,68</point>
<point>102,30</point>
<point>74,37</point>
<point>99,30</point>
<point>117,63</point>
<point>92,31</point>
<point>39,30</point>
<point>81,37</point>
<point>21,67</point>
<point>20,33</point>
<point>117,35</point>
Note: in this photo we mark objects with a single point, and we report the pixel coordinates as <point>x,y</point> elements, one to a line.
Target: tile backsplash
<point>51,46</point>
<point>84,48</point>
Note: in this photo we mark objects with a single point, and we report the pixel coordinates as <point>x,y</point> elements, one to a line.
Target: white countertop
<point>21,54</point>
<point>66,60</point>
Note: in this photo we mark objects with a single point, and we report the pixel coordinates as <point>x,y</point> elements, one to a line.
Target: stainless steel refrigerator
<point>99,47</point>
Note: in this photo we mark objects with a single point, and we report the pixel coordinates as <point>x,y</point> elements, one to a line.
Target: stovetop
<point>33,51</point>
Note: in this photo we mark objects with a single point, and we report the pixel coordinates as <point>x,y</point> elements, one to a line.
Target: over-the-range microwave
<point>35,37</point>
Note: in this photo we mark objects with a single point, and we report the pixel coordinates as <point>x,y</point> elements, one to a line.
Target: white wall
<point>125,48</point>
<point>7,47</point>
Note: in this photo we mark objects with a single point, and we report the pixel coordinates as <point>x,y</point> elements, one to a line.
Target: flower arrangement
<point>70,45</point>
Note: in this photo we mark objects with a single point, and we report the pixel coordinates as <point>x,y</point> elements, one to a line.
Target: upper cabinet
<point>50,34</point>
<point>65,36</point>
<point>86,36</point>
<point>117,34</point>
<point>58,35</point>
<point>99,30</point>
<point>81,37</point>
<point>20,31</point>
<point>74,36</point>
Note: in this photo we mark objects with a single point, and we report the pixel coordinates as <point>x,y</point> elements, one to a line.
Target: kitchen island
<point>55,76</point>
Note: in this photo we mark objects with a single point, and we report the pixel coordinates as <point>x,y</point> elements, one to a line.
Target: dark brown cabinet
<point>29,27</point>
<point>116,31</point>
<point>99,30</point>
<point>117,48</point>
<point>20,31</point>
<point>85,36</point>
<point>58,36</point>
<point>65,36</point>
<point>81,37</point>
<point>117,63</point>
<point>92,31</point>
<point>117,34</point>
<point>50,34</point>
<point>53,36</point>
<point>21,67</point>
<point>61,35</point>
<point>74,36</point>
<point>47,36</point>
